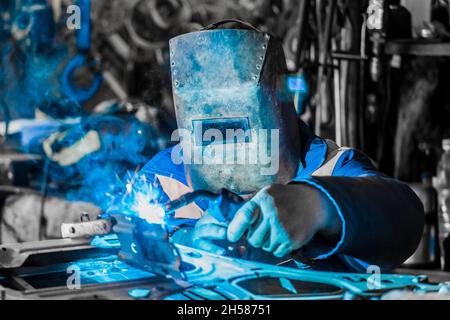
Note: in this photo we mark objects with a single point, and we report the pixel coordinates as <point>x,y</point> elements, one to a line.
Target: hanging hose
<point>74,91</point>
<point>44,192</point>
<point>6,119</point>
<point>82,60</point>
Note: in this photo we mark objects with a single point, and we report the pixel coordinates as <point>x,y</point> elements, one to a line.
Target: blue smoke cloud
<point>29,79</point>
<point>31,58</point>
<point>102,176</point>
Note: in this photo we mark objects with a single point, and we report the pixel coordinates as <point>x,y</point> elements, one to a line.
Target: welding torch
<point>222,206</point>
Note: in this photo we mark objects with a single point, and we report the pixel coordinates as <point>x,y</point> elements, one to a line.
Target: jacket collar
<point>313,152</point>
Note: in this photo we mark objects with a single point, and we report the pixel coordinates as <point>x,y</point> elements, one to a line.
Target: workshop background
<point>373,75</point>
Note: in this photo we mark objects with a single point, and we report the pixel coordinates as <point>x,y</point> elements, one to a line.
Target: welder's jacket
<point>382,218</point>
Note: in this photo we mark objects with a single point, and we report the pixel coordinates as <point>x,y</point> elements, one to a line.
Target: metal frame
<point>208,276</point>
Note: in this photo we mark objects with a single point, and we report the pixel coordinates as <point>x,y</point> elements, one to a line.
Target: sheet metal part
<point>147,246</point>
<point>208,276</point>
<point>143,257</point>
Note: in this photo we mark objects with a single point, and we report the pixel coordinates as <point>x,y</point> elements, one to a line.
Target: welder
<point>309,201</point>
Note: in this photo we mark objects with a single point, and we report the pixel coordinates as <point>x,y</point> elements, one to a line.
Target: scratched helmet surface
<point>229,81</point>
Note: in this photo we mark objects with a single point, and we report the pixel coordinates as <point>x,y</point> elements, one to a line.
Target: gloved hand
<point>283,218</point>
<point>207,230</point>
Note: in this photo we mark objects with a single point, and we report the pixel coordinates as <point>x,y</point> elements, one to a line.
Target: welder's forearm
<point>319,204</point>
<point>382,218</point>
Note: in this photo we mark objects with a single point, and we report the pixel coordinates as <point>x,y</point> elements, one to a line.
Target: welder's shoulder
<point>354,163</point>
<point>163,164</point>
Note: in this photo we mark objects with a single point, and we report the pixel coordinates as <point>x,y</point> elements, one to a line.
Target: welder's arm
<point>375,219</point>
<point>382,219</point>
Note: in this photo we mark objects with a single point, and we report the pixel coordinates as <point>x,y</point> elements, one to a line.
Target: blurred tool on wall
<point>427,255</point>
<point>443,186</point>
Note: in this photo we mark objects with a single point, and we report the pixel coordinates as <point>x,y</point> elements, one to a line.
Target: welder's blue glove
<point>283,218</point>
<point>206,231</point>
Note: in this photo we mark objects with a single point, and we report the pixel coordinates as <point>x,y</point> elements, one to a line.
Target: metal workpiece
<point>126,257</point>
<point>74,269</point>
<point>15,255</point>
<point>147,246</point>
<point>86,229</point>
<point>102,275</point>
<point>244,279</point>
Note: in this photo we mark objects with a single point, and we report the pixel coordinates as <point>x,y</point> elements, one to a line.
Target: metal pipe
<point>302,18</point>
<point>324,47</point>
<point>337,102</point>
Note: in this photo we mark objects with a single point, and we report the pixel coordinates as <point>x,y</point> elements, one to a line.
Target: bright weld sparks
<point>142,198</point>
<point>152,213</point>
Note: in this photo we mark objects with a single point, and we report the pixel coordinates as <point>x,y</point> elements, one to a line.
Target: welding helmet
<point>227,82</point>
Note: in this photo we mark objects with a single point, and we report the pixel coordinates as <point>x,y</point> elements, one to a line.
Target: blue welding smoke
<point>101,177</point>
<point>30,58</point>
<point>29,82</point>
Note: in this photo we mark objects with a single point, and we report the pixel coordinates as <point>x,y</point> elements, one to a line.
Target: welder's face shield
<point>235,130</point>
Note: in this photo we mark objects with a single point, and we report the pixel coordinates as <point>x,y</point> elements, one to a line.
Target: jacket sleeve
<point>382,218</point>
